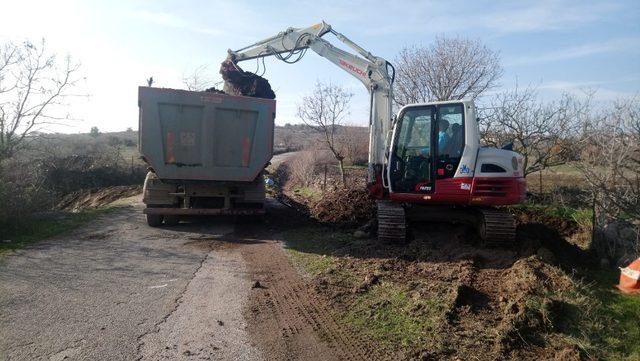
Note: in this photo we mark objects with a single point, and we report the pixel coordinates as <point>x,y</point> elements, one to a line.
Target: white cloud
<point>580,51</point>
<point>498,18</point>
<point>545,15</point>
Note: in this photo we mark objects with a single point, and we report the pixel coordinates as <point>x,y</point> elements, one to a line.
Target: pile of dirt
<point>96,198</point>
<point>344,206</point>
<point>536,304</point>
<point>548,233</point>
<point>564,227</point>
<point>240,82</point>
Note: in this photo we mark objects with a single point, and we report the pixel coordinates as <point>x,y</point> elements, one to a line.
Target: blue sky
<point>556,45</point>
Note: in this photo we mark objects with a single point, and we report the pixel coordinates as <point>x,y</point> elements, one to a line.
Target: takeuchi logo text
<point>353,68</point>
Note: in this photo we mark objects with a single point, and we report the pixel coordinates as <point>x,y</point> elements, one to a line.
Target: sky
<point>558,46</point>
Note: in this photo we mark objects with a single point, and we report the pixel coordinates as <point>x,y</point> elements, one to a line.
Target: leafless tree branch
<point>451,68</point>
<point>33,86</point>
<point>324,111</point>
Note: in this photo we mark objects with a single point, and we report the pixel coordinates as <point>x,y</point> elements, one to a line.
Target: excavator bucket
<point>240,82</point>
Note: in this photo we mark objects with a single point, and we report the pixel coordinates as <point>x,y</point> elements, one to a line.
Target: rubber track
<point>500,227</point>
<point>392,224</point>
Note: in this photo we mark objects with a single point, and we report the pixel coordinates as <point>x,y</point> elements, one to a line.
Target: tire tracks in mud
<point>289,320</point>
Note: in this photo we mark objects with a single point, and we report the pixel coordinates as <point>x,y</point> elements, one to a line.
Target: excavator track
<point>392,223</point>
<point>496,228</point>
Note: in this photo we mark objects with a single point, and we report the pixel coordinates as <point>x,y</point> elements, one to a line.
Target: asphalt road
<point>120,290</point>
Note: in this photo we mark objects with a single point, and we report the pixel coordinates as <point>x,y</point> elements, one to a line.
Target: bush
<point>304,167</point>
<point>35,180</point>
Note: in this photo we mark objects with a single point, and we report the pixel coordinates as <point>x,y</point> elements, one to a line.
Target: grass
<point>390,315</point>
<point>308,192</point>
<point>312,248</point>
<point>38,229</point>
<point>580,215</point>
<point>621,313</point>
<point>592,314</point>
<point>388,312</point>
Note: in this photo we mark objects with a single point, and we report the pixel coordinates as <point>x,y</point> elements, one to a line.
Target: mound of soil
<point>344,206</point>
<point>536,230</point>
<point>533,309</point>
<point>240,82</point>
<point>564,227</point>
<point>96,198</point>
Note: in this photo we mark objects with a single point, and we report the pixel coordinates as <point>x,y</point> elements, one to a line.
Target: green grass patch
<point>40,228</point>
<point>313,248</point>
<point>388,312</point>
<point>390,315</point>
<point>595,316</point>
<point>308,192</point>
<point>621,314</point>
<point>580,215</point>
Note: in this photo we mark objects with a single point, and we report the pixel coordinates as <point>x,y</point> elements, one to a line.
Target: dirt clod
<point>240,82</point>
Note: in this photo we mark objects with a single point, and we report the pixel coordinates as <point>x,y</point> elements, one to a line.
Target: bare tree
<point>611,159</point>
<point>198,80</point>
<point>451,68</point>
<point>546,134</point>
<point>324,112</point>
<point>354,141</point>
<point>33,86</point>
<point>610,164</point>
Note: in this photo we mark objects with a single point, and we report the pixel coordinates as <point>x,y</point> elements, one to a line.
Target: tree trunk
<point>540,180</point>
<point>342,176</point>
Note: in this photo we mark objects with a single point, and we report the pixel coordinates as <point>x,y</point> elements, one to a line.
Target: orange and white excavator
<point>426,163</point>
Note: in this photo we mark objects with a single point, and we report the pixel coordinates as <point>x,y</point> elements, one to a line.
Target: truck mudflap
<point>204,211</point>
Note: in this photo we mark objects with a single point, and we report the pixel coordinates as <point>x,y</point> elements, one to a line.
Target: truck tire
<point>171,220</point>
<point>154,220</point>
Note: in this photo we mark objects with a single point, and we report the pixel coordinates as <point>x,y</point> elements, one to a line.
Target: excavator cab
<point>427,146</point>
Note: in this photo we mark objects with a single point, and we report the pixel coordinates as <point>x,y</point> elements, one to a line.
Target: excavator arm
<point>372,71</point>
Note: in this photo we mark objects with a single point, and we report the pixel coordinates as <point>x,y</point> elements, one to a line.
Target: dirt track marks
<point>288,317</point>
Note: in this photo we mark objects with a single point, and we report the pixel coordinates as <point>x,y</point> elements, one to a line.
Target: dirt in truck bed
<point>240,82</point>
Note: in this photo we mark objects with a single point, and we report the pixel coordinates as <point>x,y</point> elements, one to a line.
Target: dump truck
<point>206,153</point>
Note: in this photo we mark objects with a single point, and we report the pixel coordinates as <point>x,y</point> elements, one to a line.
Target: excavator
<point>426,163</point>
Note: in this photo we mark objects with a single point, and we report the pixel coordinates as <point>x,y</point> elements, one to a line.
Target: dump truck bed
<point>188,135</point>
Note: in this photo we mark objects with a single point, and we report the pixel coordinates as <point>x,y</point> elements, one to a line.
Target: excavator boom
<point>372,71</point>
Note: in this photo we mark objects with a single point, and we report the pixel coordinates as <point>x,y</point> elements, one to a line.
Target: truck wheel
<point>171,220</point>
<point>154,220</point>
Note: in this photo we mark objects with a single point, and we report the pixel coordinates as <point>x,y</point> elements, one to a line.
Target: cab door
<point>426,149</point>
<point>411,157</point>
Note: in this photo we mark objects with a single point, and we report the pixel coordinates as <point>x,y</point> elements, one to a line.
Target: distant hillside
<point>289,137</point>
